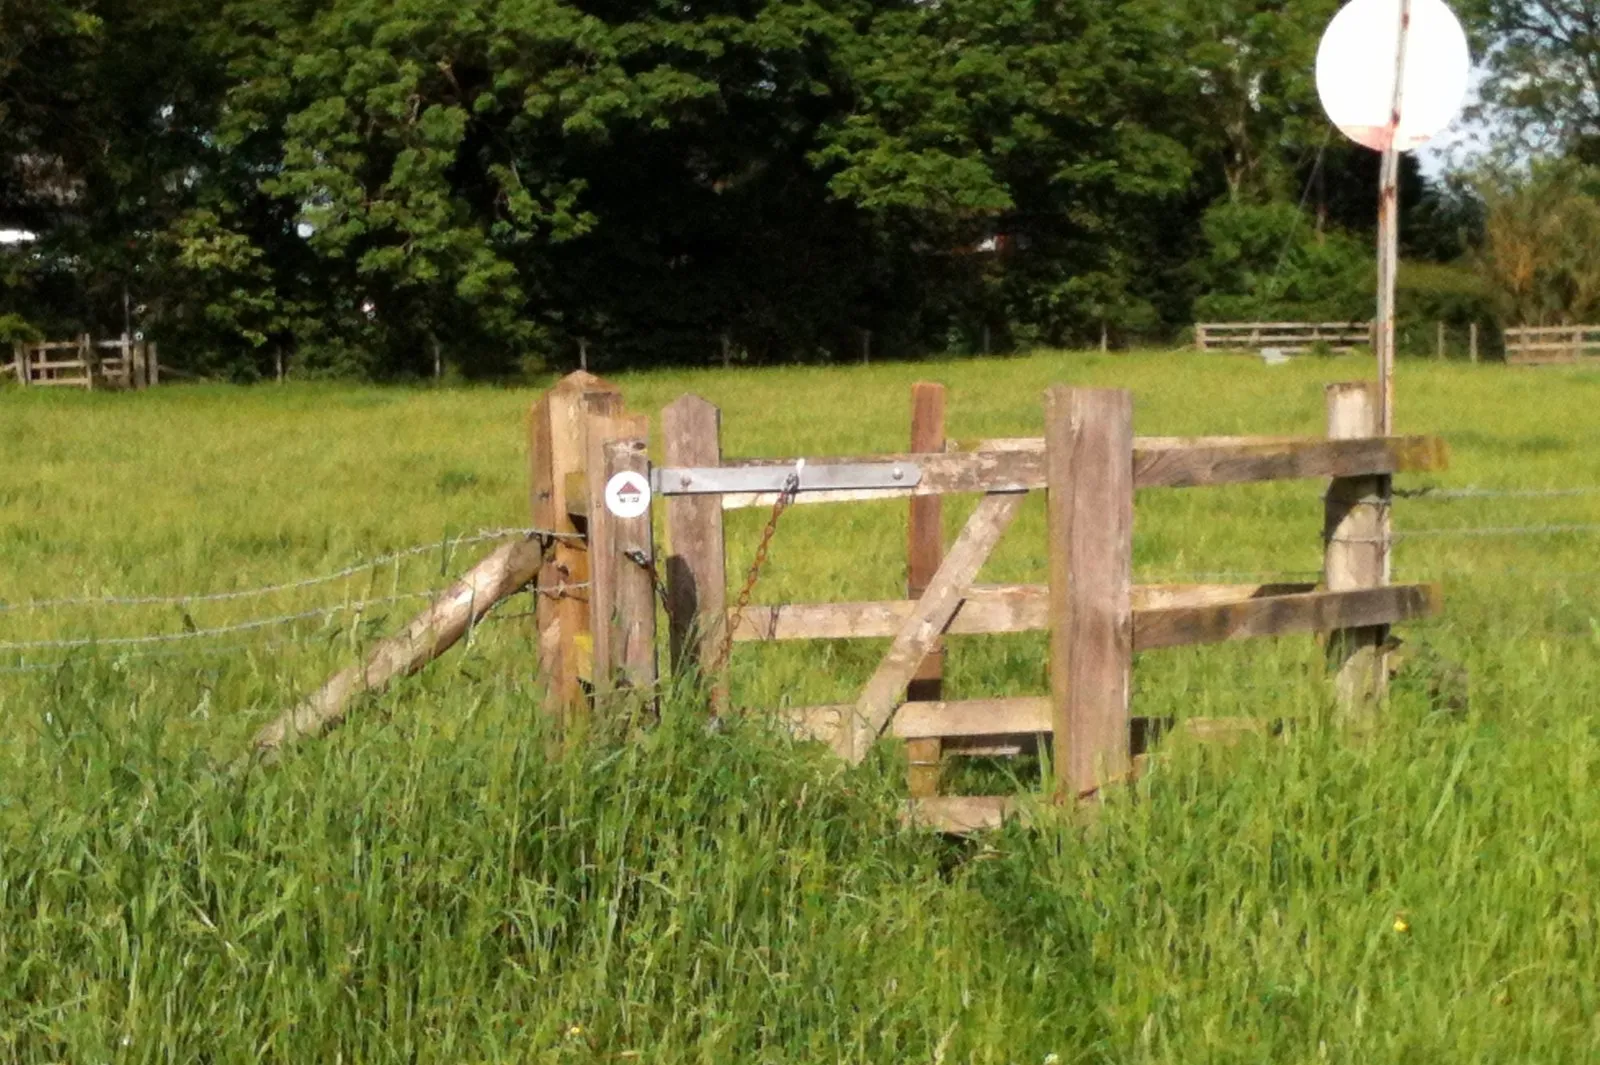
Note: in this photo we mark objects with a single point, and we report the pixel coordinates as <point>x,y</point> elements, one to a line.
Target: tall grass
<point>433,884</point>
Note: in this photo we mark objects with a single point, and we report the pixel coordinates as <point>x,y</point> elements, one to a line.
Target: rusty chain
<point>791,488</point>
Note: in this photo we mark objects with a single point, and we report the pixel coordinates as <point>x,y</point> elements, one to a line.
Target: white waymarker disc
<point>1355,71</point>
<point>627,494</point>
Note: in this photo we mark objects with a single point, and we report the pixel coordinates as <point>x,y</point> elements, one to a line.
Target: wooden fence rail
<point>1551,344</point>
<point>597,606</point>
<point>1288,337</point>
<point>132,364</point>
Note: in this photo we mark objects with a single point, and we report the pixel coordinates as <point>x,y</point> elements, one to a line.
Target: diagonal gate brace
<point>939,603</point>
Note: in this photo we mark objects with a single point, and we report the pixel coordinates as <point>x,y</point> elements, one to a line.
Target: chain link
<point>791,488</point>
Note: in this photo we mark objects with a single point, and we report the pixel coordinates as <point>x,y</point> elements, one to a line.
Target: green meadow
<point>431,884</point>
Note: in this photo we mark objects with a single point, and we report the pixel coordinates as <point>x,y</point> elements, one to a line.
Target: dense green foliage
<point>366,187</point>
<point>428,886</point>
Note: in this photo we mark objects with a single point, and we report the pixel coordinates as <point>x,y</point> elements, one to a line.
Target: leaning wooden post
<point>621,558</point>
<point>556,453</point>
<point>1356,532</point>
<point>924,552</point>
<point>696,572</point>
<point>1089,474</point>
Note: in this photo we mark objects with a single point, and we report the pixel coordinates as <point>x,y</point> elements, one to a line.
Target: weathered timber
<point>1089,445</point>
<point>1282,615</point>
<point>428,635</point>
<point>556,449</point>
<point>938,604</point>
<point>1356,554</point>
<point>984,609</point>
<point>1158,462</point>
<point>611,576</point>
<point>630,551</point>
<point>959,814</point>
<point>924,552</point>
<point>696,570</point>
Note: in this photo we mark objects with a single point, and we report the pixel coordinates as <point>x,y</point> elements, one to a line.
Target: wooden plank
<point>626,547</point>
<point>972,717</point>
<point>938,604</point>
<point>1089,442</point>
<point>604,422</point>
<point>959,814</point>
<point>152,363</point>
<point>1282,615</point>
<point>924,552</point>
<point>696,570</point>
<point>984,610</point>
<point>1356,555</point>
<point>556,448</point>
<point>1183,467</point>
<point>1168,462</point>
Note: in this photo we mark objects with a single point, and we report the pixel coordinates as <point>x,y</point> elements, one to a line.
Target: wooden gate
<point>1088,463</point>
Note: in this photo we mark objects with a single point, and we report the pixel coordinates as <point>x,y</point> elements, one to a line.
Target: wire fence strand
<point>481,536</point>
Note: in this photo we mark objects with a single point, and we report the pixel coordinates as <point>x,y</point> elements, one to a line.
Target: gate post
<point>622,562</point>
<point>557,442</point>
<point>697,567</point>
<point>1356,552</point>
<point>924,552</point>
<point>1089,476</point>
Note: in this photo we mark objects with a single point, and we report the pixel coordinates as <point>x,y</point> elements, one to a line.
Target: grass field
<point>428,886</point>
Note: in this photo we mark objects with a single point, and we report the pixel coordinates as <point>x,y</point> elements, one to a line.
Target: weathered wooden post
<point>23,363</point>
<point>89,359</point>
<point>1438,341</point>
<point>1472,341</point>
<point>697,574</point>
<point>1089,475</point>
<point>924,553</point>
<point>1199,336</point>
<point>621,553</point>
<point>556,451</point>
<point>1356,534</point>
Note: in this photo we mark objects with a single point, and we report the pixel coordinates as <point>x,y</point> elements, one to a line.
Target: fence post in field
<point>1089,476</point>
<point>924,553</point>
<point>1438,345</point>
<point>22,362</point>
<point>1200,337</point>
<point>696,572</point>
<point>134,359</point>
<point>556,449</point>
<point>1472,341</point>
<point>90,360</point>
<point>1356,531</point>
<point>622,613</point>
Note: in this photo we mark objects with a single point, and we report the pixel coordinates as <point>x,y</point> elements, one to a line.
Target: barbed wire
<point>1468,530</point>
<point>200,634</point>
<point>1470,492</point>
<point>481,536</point>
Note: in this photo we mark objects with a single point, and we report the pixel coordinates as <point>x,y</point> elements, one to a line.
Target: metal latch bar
<point>721,480</point>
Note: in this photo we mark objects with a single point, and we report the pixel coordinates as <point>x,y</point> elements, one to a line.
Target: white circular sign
<point>1355,71</point>
<point>627,494</point>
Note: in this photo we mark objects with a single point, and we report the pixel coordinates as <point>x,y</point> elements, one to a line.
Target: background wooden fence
<point>85,363</point>
<point>1289,337</point>
<point>1543,345</point>
<point>598,584</point>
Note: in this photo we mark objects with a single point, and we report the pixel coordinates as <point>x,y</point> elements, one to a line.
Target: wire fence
<point>446,545</point>
<point>194,639</point>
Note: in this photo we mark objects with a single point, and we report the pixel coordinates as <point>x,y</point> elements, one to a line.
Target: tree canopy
<point>361,186</point>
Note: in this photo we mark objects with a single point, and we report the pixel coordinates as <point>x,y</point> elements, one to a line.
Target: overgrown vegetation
<point>430,885</point>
